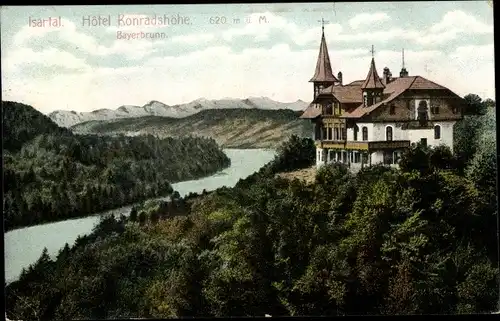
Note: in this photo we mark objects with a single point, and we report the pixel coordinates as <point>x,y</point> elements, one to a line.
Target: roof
<point>345,94</point>
<point>323,71</point>
<point>311,112</point>
<point>372,80</point>
<point>393,89</point>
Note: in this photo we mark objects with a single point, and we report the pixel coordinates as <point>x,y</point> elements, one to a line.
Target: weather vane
<point>372,51</point>
<point>322,24</point>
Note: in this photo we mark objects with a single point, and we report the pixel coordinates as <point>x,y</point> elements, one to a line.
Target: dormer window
<point>422,113</point>
<point>435,109</point>
<point>365,99</point>
<point>392,109</point>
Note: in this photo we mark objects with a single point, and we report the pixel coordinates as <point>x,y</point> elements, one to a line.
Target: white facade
<point>378,132</point>
<point>440,134</point>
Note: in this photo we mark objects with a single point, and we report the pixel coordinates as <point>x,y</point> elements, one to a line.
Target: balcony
<point>363,145</point>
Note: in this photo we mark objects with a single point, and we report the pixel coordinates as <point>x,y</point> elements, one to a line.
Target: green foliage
<point>57,175</point>
<point>22,123</point>
<point>468,132</point>
<point>475,105</point>
<point>382,241</point>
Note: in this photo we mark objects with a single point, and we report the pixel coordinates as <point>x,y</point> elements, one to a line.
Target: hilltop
<point>21,123</point>
<point>67,118</point>
<point>52,174</point>
<point>230,128</point>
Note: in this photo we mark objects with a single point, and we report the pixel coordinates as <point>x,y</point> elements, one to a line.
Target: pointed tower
<point>372,87</point>
<point>323,76</point>
<point>403,72</point>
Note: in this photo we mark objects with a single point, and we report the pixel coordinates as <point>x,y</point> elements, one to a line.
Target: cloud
<point>71,34</point>
<point>216,72</point>
<point>364,19</point>
<point>46,58</point>
<point>194,38</point>
<point>462,22</point>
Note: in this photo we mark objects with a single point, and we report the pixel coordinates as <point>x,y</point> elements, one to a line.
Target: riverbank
<point>24,246</point>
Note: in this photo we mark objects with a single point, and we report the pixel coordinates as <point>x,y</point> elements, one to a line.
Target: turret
<point>323,75</point>
<point>372,87</point>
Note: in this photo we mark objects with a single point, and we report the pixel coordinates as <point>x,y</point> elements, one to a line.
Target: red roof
<point>323,71</point>
<point>311,112</point>
<point>372,80</point>
<point>345,94</point>
<point>352,93</point>
<point>393,89</point>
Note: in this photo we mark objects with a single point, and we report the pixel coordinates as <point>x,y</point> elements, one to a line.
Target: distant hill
<point>67,118</point>
<point>52,174</point>
<point>21,123</point>
<point>231,128</point>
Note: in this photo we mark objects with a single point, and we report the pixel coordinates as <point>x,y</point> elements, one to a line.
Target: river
<point>25,245</point>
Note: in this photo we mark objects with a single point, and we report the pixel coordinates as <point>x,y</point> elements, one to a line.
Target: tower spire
<point>403,72</point>
<point>403,56</point>
<point>372,80</point>
<point>323,72</point>
<point>373,52</point>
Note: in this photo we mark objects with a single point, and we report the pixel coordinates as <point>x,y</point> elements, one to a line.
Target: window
<point>357,157</point>
<point>337,109</point>
<point>435,109</point>
<point>324,133</point>
<point>437,132</point>
<point>370,98</point>
<point>388,133</point>
<point>392,109</point>
<point>337,133</point>
<point>344,133</point>
<point>423,141</point>
<point>329,133</point>
<point>422,113</point>
<point>339,156</point>
<point>328,109</point>
<point>454,109</point>
<point>355,132</point>
<point>365,99</point>
<point>388,157</point>
<point>365,133</point>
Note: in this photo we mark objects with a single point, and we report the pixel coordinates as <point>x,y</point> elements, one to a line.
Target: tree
<point>441,157</point>
<point>416,158</point>
<point>142,217</point>
<point>133,214</point>
<point>474,105</point>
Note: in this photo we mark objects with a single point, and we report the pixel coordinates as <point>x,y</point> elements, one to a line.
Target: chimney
<point>386,76</point>
<point>339,77</point>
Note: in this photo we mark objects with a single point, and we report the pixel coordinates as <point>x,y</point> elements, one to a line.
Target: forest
<point>51,174</point>
<point>416,240</point>
<point>231,128</point>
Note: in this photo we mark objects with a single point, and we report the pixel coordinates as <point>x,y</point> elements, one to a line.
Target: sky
<point>215,53</point>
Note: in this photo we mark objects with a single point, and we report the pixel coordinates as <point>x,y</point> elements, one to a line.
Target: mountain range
<point>67,118</point>
<point>230,128</point>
